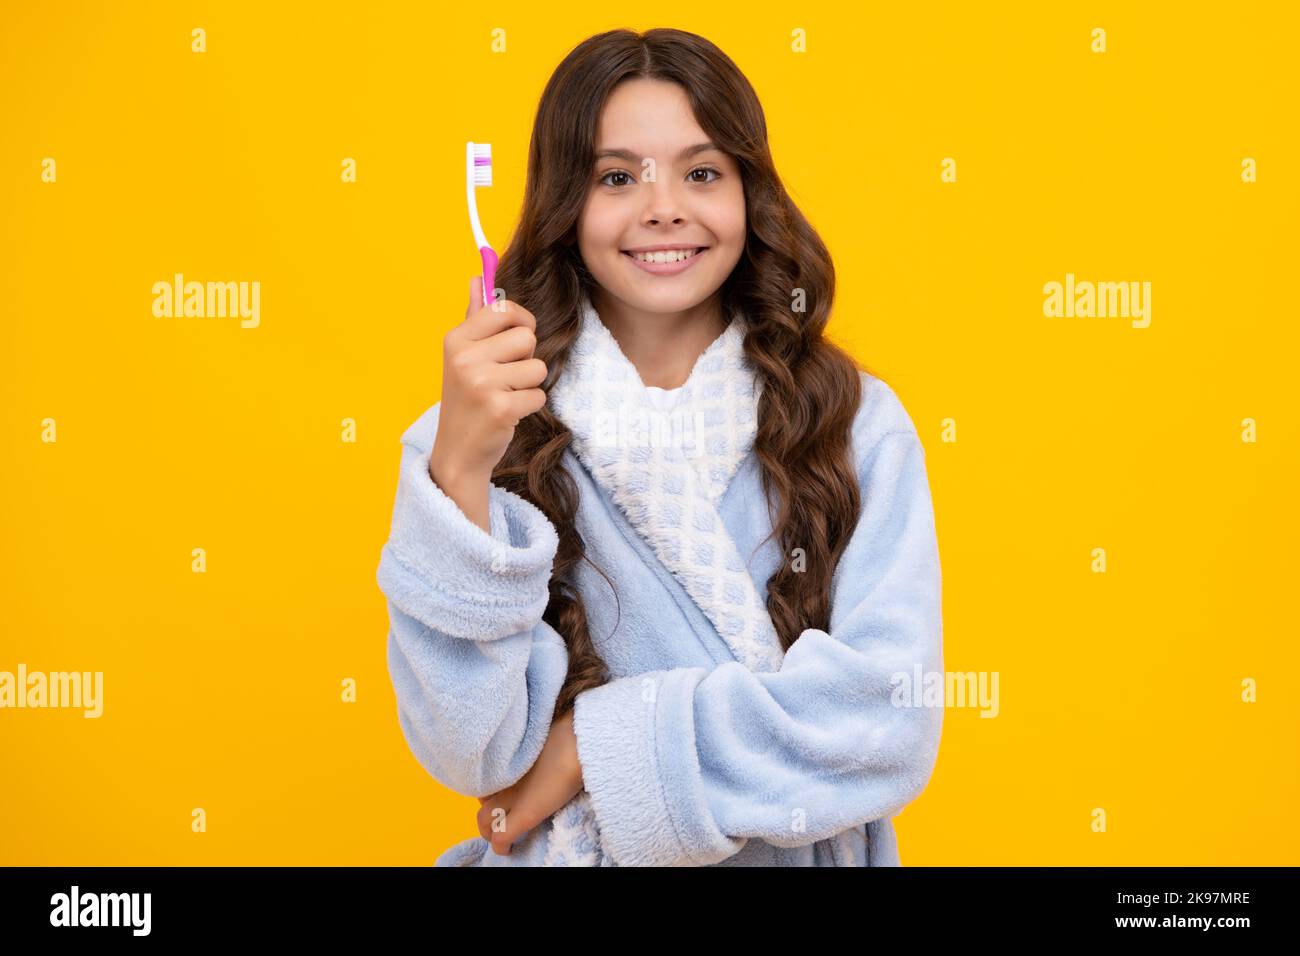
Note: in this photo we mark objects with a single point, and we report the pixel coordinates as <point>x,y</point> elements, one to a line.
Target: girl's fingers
<point>489,320</point>
<point>521,815</point>
<point>493,807</point>
<point>525,373</point>
<point>513,826</point>
<point>475,296</point>
<point>512,345</point>
<point>485,824</point>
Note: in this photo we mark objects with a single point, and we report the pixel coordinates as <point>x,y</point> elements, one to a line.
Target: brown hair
<point>811,387</point>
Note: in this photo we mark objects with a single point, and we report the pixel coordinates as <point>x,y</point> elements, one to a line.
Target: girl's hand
<point>506,816</point>
<point>490,381</point>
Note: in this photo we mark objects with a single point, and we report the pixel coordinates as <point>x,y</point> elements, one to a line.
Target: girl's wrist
<point>451,475</point>
<point>571,742</point>
<point>468,489</point>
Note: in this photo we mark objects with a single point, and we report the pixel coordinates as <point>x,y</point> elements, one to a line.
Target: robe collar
<point>667,471</point>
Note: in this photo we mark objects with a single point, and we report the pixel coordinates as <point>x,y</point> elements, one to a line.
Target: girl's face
<point>658,181</point>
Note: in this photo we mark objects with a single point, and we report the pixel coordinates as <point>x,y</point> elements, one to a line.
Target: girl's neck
<point>662,345</point>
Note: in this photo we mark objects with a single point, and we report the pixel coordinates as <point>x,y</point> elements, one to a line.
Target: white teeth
<point>672,255</point>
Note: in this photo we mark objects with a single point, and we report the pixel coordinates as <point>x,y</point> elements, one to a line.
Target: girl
<point>662,554</point>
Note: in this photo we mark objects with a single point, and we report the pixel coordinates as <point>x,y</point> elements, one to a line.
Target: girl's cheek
<point>729,231</point>
<point>599,226</point>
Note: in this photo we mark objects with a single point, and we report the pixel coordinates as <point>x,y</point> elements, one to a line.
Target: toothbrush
<point>478,172</point>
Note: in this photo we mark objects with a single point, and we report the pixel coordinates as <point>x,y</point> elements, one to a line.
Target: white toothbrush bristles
<point>482,164</point>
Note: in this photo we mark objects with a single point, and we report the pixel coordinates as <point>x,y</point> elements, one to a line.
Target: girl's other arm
<point>685,765</point>
<point>475,669</point>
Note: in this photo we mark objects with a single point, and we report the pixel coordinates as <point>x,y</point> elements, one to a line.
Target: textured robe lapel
<point>667,472</point>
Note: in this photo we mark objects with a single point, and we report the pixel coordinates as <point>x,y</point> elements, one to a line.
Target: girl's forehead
<point>648,107</point>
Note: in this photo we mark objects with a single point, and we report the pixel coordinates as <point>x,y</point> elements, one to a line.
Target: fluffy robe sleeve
<point>684,765</point>
<point>475,670</point>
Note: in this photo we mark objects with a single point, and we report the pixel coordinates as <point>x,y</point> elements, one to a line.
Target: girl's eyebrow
<point>631,157</point>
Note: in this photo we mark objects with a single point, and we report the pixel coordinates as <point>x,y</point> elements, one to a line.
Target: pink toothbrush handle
<point>489,273</point>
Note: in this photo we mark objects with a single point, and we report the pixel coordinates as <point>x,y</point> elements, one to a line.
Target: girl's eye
<point>628,179</point>
<point>704,169</point>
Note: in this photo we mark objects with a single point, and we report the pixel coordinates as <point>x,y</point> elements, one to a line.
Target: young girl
<point>663,562</point>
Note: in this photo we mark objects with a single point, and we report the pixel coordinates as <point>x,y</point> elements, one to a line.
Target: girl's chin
<point>662,301</point>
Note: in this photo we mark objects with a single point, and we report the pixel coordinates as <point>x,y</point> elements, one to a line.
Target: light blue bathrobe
<point>690,757</point>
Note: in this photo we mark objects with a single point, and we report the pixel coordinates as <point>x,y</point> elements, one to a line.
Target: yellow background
<point>1119,691</point>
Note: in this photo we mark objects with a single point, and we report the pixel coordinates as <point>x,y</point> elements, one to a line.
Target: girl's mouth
<point>666,267</point>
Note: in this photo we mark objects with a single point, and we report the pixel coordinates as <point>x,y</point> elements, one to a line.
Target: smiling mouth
<point>665,255</point>
<point>659,263</point>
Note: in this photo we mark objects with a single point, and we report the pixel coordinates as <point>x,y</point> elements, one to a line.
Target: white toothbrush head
<point>482,164</point>
<point>478,173</point>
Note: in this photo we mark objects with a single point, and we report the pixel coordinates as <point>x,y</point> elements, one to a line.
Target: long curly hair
<point>811,387</point>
